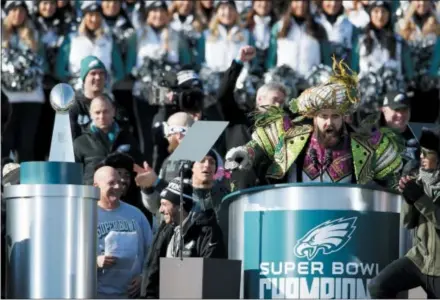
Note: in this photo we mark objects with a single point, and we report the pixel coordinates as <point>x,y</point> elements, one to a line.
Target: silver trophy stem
<point>61,148</point>
<point>62,98</point>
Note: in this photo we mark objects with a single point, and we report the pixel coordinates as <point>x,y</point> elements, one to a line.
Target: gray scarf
<point>430,179</point>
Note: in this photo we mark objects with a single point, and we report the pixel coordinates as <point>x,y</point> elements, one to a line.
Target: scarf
<point>111,135</point>
<point>430,180</point>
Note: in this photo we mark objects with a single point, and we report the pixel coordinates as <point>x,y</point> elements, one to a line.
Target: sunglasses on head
<point>170,130</point>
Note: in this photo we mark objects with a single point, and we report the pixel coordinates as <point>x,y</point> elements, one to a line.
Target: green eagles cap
<point>90,63</point>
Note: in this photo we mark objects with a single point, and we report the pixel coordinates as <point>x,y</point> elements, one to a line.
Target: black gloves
<point>412,192</point>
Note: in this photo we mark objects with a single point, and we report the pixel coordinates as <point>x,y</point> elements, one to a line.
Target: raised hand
<point>145,177</point>
<point>238,159</point>
<point>246,53</point>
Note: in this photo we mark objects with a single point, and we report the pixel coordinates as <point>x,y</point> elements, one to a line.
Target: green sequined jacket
<point>279,140</point>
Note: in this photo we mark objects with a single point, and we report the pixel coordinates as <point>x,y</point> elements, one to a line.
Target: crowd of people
<point>280,72</point>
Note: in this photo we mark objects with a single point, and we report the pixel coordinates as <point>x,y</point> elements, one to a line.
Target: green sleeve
<point>251,42</point>
<point>130,59</point>
<point>42,54</point>
<point>184,53</point>
<point>271,59</point>
<point>326,56</point>
<point>62,61</point>
<point>354,57</point>
<point>201,49</point>
<point>407,63</point>
<point>434,69</point>
<point>117,64</point>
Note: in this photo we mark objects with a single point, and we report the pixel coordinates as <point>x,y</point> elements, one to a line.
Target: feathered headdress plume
<point>338,93</point>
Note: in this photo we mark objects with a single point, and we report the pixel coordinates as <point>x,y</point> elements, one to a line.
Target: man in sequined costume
<point>325,151</point>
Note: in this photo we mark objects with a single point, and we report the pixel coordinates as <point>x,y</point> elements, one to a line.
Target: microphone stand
<point>328,159</point>
<point>184,165</point>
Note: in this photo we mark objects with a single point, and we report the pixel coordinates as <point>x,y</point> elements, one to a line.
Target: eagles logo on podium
<point>329,237</point>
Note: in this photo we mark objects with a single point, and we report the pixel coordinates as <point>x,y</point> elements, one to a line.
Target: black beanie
<point>172,194</point>
<point>213,154</point>
<point>430,139</point>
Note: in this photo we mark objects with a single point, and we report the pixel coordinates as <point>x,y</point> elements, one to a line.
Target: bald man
<point>175,129</point>
<point>124,236</point>
<point>102,137</point>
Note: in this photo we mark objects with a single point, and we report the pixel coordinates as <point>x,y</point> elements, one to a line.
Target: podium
<point>313,240</point>
<point>51,233</point>
<point>199,278</point>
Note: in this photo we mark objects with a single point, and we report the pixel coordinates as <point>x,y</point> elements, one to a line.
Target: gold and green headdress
<point>339,93</point>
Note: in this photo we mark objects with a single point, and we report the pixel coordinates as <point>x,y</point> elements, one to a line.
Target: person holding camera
<point>158,47</point>
<point>181,92</point>
<point>421,211</point>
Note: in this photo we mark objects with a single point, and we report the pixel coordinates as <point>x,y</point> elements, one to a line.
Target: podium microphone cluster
<point>328,159</point>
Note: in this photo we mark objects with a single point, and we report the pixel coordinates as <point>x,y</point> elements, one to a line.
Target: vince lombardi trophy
<point>62,98</point>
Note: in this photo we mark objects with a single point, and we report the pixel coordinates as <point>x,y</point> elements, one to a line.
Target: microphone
<point>328,158</point>
<point>314,157</point>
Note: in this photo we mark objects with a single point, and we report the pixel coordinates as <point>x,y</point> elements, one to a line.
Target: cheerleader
<point>421,29</point>
<point>182,16</point>
<point>67,13</point>
<point>90,39</point>
<point>156,40</point>
<point>259,22</point>
<point>205,12</point>
<point>341,33</point>
<point>380,48</point>
<point>186,23</point>
<point>51,32</point>
<point>219,45</point>
<point>133,9</point>
<point>118,24</point>
<point>26,97</point>
<point>298,41</point>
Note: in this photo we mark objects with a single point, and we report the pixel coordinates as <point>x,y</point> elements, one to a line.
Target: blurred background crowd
<point>145,71</point>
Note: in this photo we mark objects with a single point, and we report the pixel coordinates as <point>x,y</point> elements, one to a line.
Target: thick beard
<point>329,139</point>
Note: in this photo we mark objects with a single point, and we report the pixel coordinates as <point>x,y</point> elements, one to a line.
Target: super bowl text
<point>316,279</point>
